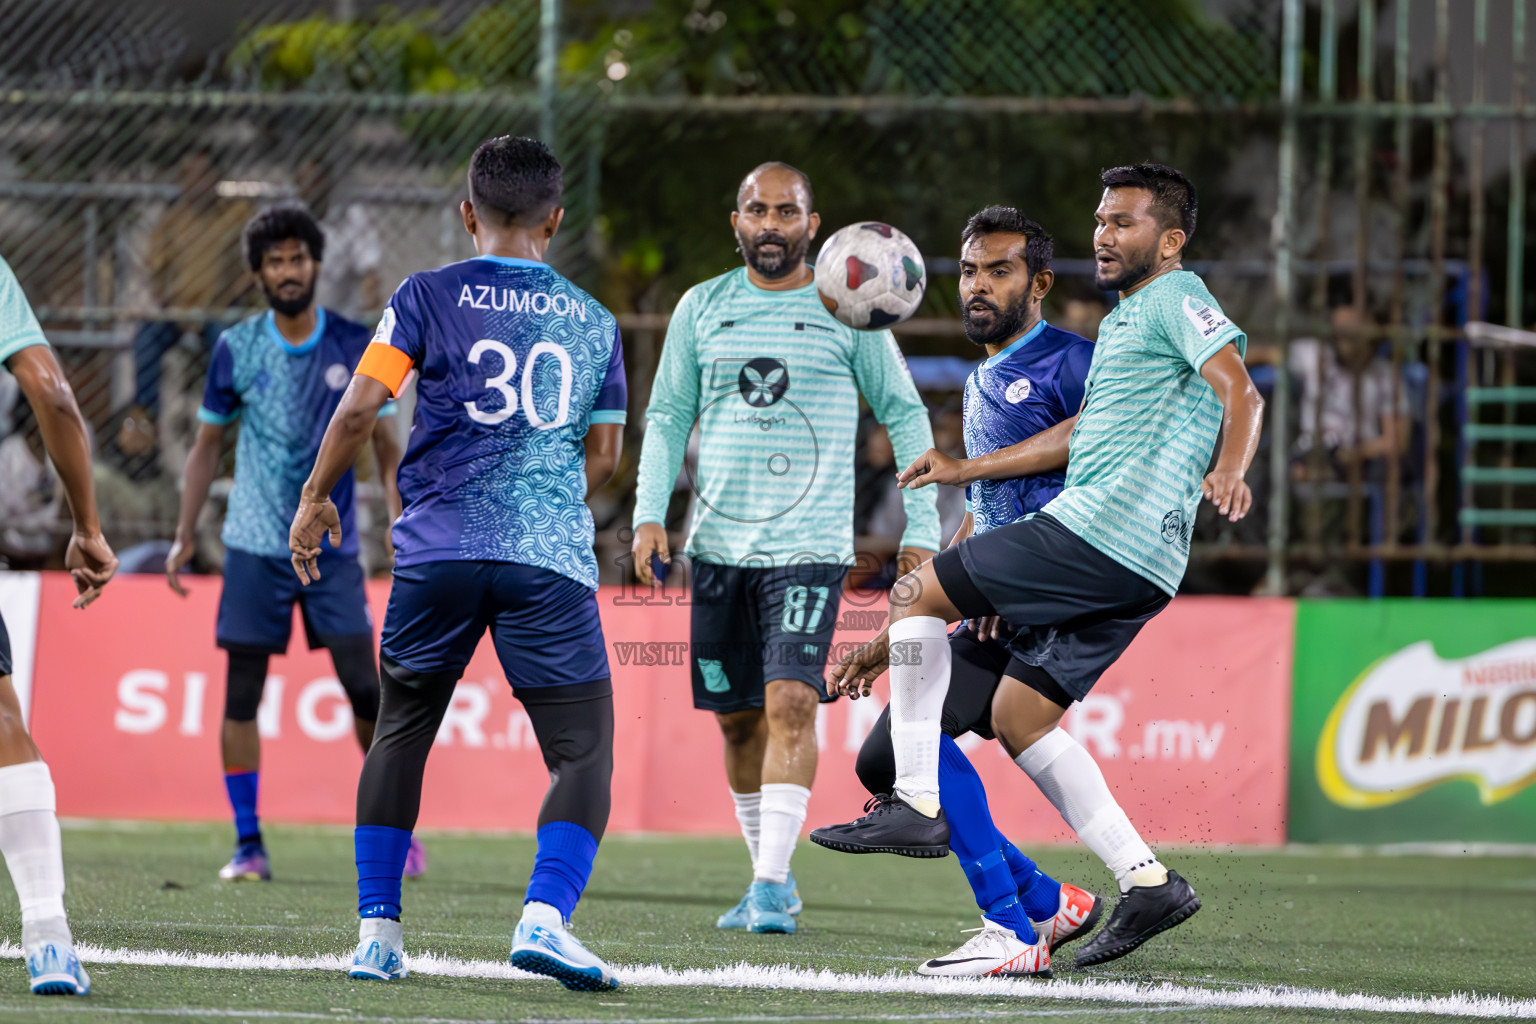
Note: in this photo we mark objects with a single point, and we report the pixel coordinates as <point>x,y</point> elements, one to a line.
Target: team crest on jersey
<point>1018,391</point>
<point>1206,320</point>
<point>763,381</point>
<point>336,376</point>
<point>1173,528</point>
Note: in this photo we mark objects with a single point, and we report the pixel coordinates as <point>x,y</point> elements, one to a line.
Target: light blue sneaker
<point>380,952</point>
<point>736,917</point>
<point>768,908</point>
<point>543,944</point>
<point>56,971</point>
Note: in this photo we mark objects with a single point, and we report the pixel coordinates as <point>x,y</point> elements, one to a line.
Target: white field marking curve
<point>753,976</point>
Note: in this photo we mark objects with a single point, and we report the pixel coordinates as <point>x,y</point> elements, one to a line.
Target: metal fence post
<point>548,71</point>
<point>1282,232</point>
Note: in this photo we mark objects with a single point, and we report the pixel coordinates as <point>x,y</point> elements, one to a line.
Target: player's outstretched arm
<point>202,464</point>
<point>1242,417</point>
<point>317,516</point>
<point>1040,453</point>
<point>89,558</point>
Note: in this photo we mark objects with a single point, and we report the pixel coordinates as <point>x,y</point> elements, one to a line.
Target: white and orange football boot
<point>996,952</point>
<point>1076,914</point>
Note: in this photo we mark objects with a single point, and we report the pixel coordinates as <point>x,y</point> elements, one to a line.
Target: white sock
<point>919,684</point>
<point>1070,778</point>
<point>749,816</point>
<point>29,839</point>
<point>391,932</point>
<point>783,815</point>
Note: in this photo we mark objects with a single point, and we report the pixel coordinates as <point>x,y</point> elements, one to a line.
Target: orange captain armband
<point>385,364</point>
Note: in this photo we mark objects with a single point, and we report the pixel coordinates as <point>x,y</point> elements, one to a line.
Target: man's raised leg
<point>1154,899</point>
<point>912,822</point>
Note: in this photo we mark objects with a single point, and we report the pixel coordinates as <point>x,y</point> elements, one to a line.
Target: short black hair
<point>1173,195</point>
<point>279,223</point>
<point>1039,248</point>
<point>515,180</point>
<point>780,165</point>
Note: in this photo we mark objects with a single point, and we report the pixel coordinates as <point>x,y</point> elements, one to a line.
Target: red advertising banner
<point>1190,726</point>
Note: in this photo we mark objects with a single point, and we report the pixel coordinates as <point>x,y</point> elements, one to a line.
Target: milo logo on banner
<point>1414,720</point>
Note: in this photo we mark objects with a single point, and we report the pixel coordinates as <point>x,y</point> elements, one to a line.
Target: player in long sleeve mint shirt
<point>773,382</point>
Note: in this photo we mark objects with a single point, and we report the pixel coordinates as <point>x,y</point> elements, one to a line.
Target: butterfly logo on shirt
<point>762,382</point>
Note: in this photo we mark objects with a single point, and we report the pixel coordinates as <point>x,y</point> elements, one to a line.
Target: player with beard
<point>1025,393</point>
<point>1081,577</point>
<point>773,383</point>
<point>282,374</point>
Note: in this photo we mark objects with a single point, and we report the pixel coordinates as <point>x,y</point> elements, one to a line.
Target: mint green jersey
<point>773,382</point>
<point>18,324</point>
<point>1149,423</point>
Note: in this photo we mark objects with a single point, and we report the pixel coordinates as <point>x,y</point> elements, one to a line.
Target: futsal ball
<point>870,275</point>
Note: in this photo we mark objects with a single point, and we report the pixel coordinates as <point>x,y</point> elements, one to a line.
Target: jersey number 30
<point>502,382</point>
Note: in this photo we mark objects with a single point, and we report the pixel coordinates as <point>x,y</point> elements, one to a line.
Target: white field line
<point>752,976</point>
<point>198,1013</point>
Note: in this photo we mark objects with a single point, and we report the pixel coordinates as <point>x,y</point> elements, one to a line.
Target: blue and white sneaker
<point>768,908</point>
<point>543,944</point>
<point>56,970</point>
<point>380,952</point>
<point>736,917</point>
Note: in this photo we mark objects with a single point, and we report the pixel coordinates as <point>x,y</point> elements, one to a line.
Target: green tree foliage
<point>422,52</point>
<point>924,166</point>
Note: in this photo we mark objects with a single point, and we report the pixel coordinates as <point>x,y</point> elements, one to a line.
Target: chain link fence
<point>136,139</point>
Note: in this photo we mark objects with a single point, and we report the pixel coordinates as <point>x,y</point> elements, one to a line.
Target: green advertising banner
<point>1414,721</point>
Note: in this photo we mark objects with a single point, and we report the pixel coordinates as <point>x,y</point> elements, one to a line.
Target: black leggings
<point>351,655</point>
<point>573,724</point>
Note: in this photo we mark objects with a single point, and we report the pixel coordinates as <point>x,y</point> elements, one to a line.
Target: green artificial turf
<point>1316,919</point>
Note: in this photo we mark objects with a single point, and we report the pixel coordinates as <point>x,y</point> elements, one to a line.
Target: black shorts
<point>5,649</point>
<point>754,625</point>
<point>977,667</point>
<point>1082,607</point>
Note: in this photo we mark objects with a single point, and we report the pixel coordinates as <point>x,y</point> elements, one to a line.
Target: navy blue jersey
<point>514,363</point>
<point>1030,386</point>
<point>284,396</point>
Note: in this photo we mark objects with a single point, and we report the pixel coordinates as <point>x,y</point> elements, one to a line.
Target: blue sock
<point>1038,892</point>
<point>562,866</point>
<point>241,787</point>
<point>974,839</point>
<point>381,854</point>
<point>992,883</point>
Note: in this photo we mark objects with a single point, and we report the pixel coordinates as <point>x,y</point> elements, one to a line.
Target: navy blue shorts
<point>753,625</point>
<point>5,649</point>
<point>1082,607</point>
<point>544,625</point>
<point>256,607</point>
